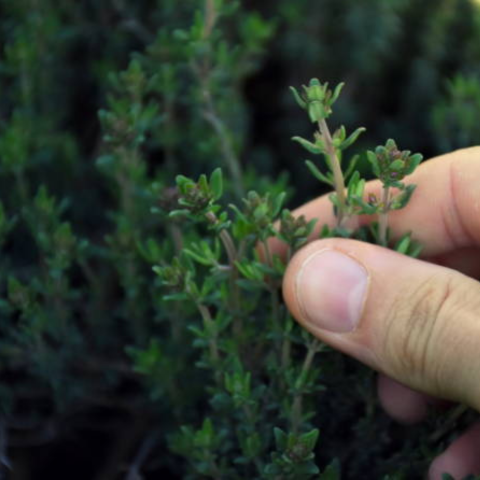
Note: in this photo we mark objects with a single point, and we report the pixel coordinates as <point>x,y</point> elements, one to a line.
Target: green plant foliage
<point>455,117</point>
<point>142,330</point>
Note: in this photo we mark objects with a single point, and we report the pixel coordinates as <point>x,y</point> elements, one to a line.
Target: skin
<point>420,321</point>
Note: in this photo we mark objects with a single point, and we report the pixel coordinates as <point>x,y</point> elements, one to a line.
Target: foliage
<point>396,58</point>
<point>455,117</point>
<point>142,326</point>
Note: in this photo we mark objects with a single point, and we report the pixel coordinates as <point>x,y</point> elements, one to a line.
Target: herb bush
<point>142,330</point>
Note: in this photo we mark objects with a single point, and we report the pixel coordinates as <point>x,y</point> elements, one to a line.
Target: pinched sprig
<point>317,99</point>
<point>389,164</point>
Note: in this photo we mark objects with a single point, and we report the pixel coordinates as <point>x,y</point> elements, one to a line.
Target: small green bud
<point>315,91</point>
<point>317,99</point>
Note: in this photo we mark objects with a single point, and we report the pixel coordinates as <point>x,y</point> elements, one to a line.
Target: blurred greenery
<point>101,105</point>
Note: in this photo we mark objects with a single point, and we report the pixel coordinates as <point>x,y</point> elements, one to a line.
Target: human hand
<point>415,321</point>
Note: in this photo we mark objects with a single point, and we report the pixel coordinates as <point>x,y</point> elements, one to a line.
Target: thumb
<point>412,320</point>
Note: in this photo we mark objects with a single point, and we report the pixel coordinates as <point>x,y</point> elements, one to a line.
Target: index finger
<point>443,213</point>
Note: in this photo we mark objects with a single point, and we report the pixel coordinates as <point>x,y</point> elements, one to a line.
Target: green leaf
<point>216,183</point>
<point>356,185</point>
<point>198,332</point>
<point>179,213</point>
<point>250,285</point>
<point>318,174</point>
<point>175,297</point>
<point>298,98</point>
<point>203,183</point>
<point>309,439</point>
<point>391,144</point>
<point>401,200</point>
<point>250,271</point>
<point>158,270</point>
<point>253,445</point>
<point>352,138</point>
<point>281,439</point>
<point>182,180</point>
<point>413,163</point>
<point>397,165</point>
<point>197,257</point>
<point>332,472</point>
<point>239,213</point>
<point>351,166</point>
<point>403,244</point>
<point>204,438</point>
<point>311,147</point>
<point>415,249</point>
<point>339,136</point>
<point>366,208</point>
<point>372,158</point>
<point>360,188</point>
<point>336,92</point>
<point>278,203</point>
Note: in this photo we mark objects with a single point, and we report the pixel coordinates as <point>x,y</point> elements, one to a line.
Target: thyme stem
<point>336,170</point>
<point>297,406</point>
<point>210,113</point>
<point>286,347</point>
<point>273,290</point>
<point>454,416</point>
<point>383,217</point>
<point>232,255</point>
<point>229,156</point>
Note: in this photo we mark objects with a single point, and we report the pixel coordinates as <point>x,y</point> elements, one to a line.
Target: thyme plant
<point>263,376</point>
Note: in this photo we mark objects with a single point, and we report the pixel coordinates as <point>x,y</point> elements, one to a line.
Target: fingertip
<point>461,458</point>
<point>352,342</point>
<point>402,403</point>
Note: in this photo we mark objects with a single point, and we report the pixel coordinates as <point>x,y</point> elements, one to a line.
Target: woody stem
<point>383,218</point>
<point>336,170</point>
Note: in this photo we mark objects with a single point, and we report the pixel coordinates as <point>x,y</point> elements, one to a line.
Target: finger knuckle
<point>416,323</point>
